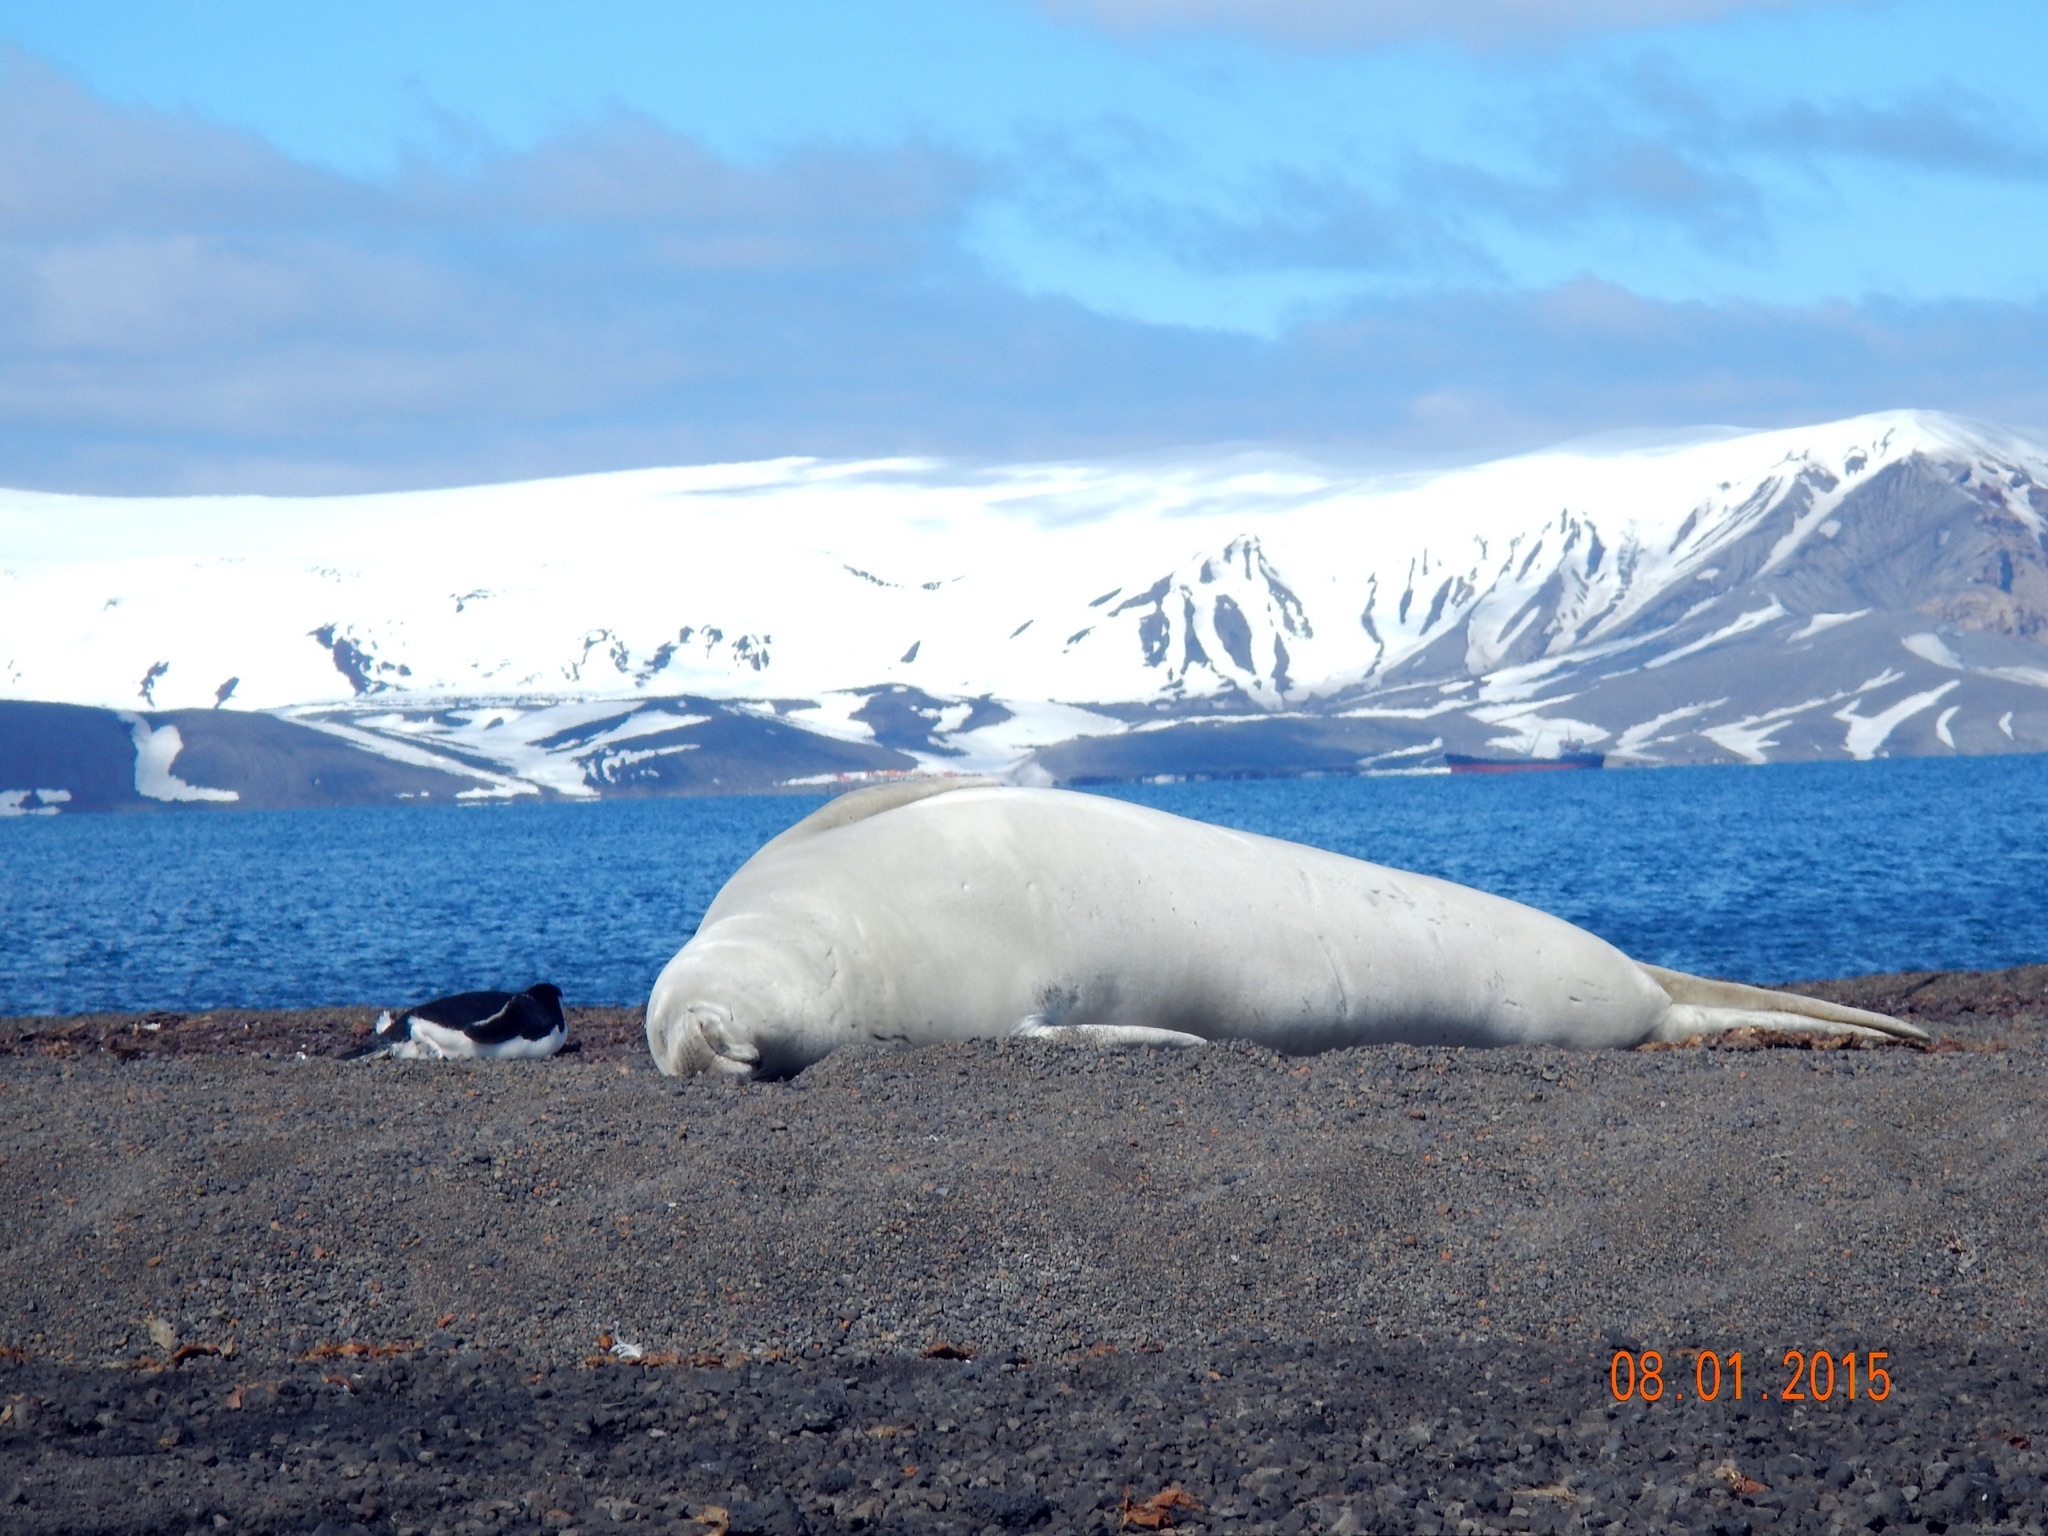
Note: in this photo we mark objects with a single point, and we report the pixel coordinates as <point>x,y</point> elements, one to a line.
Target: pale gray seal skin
<point>929,911</point>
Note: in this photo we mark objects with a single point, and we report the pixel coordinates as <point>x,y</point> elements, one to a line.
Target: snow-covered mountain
<point>1868,586</point>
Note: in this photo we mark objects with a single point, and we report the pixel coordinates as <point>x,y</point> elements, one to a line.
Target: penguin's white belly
<point>438,1042</point>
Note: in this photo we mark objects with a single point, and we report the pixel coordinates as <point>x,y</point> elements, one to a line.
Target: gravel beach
<point>1019,1287</point>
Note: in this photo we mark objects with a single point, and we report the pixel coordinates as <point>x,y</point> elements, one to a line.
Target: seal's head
<point>700,1037</point>
<point>739,1007</point>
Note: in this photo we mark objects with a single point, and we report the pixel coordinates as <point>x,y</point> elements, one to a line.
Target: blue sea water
<point>1766,874</point>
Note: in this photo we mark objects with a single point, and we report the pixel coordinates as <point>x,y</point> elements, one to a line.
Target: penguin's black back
<point>491,1018</point>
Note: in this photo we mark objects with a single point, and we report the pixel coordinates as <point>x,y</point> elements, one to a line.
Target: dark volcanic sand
<point>1375,1290</point>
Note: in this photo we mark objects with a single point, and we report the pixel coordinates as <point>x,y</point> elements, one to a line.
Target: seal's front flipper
<point>1700,1006</point>
<point>732,1054</point>
<point>1104,1035</point>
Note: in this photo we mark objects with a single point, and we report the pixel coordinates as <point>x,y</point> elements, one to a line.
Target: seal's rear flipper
<point>1700,1006</point>
<point>1036,1028</point>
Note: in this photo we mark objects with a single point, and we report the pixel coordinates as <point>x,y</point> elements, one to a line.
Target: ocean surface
<point>1763,874</point>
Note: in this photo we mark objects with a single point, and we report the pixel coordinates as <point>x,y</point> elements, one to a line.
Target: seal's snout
<point>698,1036</point>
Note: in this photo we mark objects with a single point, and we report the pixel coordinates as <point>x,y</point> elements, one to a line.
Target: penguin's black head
<point>546,991</point>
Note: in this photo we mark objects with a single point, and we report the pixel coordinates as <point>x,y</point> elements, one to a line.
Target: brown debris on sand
<point>1739,1483</point>
<point>1752,1038</point>
<point>599,1034</point>
<point>1157,1513</point>
<point>356,1349</point>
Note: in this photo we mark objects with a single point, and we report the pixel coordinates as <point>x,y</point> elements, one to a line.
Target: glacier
<point>1739,597</point>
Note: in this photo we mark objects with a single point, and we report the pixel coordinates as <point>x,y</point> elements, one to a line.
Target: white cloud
<point>183,307</point>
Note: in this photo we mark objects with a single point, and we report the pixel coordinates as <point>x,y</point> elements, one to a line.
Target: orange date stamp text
<point>1814,1376</point>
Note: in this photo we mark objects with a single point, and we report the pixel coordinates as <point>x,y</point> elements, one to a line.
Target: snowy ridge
<point>552,636</point>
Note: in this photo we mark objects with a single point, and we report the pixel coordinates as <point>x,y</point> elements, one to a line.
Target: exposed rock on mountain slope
<point>74,758</point>
<point>1875,586</point>
<point>1891,608</point>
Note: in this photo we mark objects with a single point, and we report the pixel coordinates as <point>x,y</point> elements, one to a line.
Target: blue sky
<point>308,247</point>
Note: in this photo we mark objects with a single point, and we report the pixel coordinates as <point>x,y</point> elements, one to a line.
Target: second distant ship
<point>1458,763</point>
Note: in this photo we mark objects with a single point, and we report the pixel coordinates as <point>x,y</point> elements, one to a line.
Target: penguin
<point>488,1026</point>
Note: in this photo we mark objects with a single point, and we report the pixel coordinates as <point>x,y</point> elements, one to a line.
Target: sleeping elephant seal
<point>928,911</point>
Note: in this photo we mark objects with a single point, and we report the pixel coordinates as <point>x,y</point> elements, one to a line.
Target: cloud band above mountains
<point>183,307</point>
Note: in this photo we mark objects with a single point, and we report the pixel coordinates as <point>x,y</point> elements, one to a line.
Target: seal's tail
<point>1700,1006</point>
